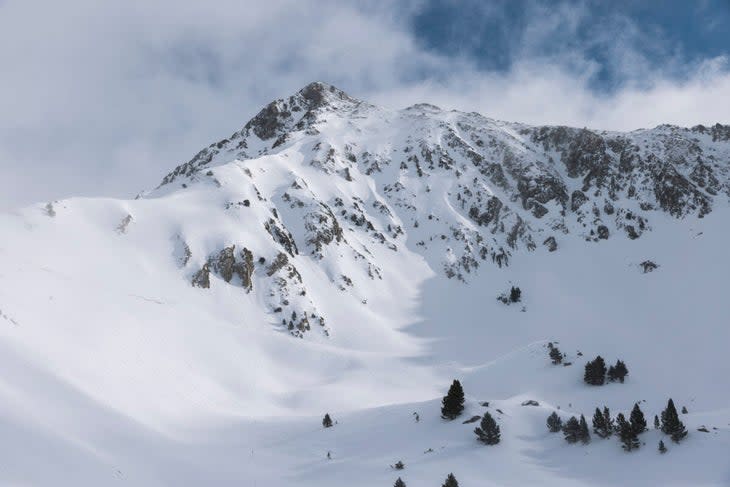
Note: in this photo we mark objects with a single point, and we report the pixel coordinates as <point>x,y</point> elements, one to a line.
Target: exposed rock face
<point>245,269</point>
<point>551,244</point>
<point>462,189</point>
<point>124,224</point>
<point>202,277</point>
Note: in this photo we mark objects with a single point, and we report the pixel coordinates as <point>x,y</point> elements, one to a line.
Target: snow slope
<point>119,370</point>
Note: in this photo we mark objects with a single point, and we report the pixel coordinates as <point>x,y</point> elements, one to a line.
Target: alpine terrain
<point>336,257</point>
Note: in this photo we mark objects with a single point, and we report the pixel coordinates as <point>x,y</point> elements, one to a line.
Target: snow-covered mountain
<point>335,256</point>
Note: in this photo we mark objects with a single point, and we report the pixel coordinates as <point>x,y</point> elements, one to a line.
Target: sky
<point>105,98</point>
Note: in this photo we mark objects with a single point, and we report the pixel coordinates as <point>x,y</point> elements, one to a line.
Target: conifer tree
<point>656,422</point>
<point>450,481</point>
<point>571,430</point>
<point>585,435</point>
<point>662,448</point>
<point>611,374</point>
<point>399,483</point>
<point>620,371</point>
<point>595,372</point>
<point>671,425</point>
<point>638,423</point>
<point>488,430</point>
<point>626,434</point>
<point>600,426</point>
<point>515,294</point>
<point>608,421</point>
<point>556,356</point>
<point>327,421</point>
<point>453,401</point>
<point>554,423</point>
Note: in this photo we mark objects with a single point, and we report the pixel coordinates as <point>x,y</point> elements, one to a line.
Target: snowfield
<point>118,371</point>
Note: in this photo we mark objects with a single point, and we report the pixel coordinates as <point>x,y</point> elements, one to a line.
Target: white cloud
<point>103,98</point>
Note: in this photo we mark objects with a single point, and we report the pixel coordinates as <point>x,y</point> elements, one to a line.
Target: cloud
<point>104,98</point>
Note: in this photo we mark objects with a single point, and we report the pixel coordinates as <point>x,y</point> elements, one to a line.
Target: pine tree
<point>684,410</point>
<point>662,448</point>
<point>515,294</point>
<point>638,423</point>
<point>327,421</point>
<point>611,374</point>
<point>600,426</point>
<point>399,483</point>
<point>620,371</point>
<point>629,440</point>
<point>450,481</point>
<point>608,421</point>
<point>571,430</point>
<point>556,356</point>
<point>656,422</point>
<point>488,430</point>
<point>585,435</point>
<point>453,401</point>
<point>554,423</point>
<point>671,425</point>
<point>595,372</point>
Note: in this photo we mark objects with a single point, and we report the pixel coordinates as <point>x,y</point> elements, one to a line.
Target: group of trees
<point>513,296</point>
<point>596,372</point>
<point>452,405</point>
<point>449,482</point>
<point>627,430</point>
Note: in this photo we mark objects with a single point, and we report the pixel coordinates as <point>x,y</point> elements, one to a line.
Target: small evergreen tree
<point>638,423</point>
<point>626,434</point>
<point>611,374</point>
<point>620,371</point>
<point>595,372</point>
<point>671,425</point>
<point>571,430</point>
<point>399,483</point>
<point>684,410</point>
<point>453,401</point>
<point>585,435</point>
<point>556,356</point>
<point>656,422</point>
<point>515,294</point>
<point>488,430</point>
<point>608,421</point>
<point>399,465</point>
<point>600,426</point>
<point>327,421</point>
<point>554,423</point>
<point>450,481</point>
<point>662,448</point>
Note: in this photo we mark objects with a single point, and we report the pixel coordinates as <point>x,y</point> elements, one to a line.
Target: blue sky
<point>670,35</point>
<point>104,98</point>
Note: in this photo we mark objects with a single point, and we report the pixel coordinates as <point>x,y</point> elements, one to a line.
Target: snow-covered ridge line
<point>457,188</point>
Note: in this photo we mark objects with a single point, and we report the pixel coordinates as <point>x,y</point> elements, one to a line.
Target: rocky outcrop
<point>202,277</point>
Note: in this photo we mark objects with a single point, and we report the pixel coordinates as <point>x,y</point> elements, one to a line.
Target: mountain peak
<point>320,94</point>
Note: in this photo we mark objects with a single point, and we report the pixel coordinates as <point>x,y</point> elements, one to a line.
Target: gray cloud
<point>103,98</point>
